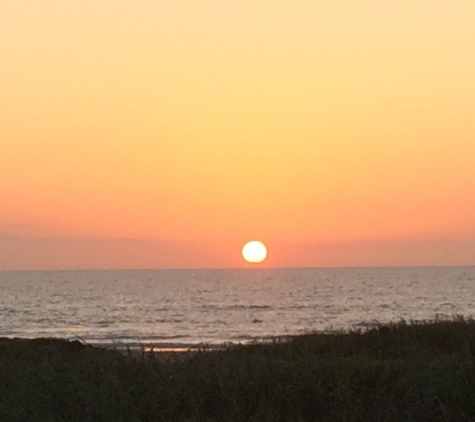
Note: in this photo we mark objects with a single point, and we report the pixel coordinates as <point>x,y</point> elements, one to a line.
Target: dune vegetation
<point>417,371</point>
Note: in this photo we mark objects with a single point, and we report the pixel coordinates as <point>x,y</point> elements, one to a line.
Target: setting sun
<point>254,252</point>
<point>166,134</point>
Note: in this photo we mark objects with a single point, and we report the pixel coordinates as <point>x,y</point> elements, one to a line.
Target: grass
<point>418,371</point>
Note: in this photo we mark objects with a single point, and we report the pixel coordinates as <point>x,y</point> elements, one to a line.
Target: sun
<point>254,252</point>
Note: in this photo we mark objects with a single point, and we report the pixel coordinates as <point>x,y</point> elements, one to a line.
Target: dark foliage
<point>420,371</point>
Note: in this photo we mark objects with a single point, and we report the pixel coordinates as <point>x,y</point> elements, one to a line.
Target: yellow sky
<point>198,125</point>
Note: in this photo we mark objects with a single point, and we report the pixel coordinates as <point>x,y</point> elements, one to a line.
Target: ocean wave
<point>234,307</point>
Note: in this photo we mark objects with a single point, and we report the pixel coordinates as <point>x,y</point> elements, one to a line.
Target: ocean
<point>181,309</point>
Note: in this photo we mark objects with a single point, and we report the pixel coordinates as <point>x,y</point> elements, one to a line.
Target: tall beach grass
<point>405,371</point>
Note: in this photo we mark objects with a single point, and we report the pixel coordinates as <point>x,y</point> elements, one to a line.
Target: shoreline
<point>138,347</point>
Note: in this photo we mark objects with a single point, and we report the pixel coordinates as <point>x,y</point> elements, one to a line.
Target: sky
<point>166,134</point>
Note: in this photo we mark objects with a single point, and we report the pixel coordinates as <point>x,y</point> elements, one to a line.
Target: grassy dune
<point>397,372</point>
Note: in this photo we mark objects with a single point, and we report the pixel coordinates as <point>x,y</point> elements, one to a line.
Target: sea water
<point>186,308</point>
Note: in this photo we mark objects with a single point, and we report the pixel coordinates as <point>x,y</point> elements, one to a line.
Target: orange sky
<point>168,133</point>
